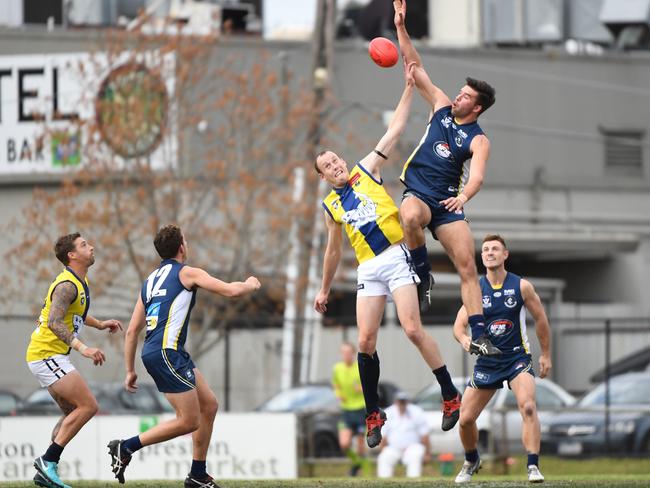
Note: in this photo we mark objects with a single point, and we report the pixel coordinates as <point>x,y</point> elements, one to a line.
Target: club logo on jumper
<point>152,315</point>
<point>500,327</point>
<point>497,294</point>
<point>77,324</point>
<point>442,150</point>
<point>365,212</point>
<point>510,302</point>
<point>447,121</point>
<point>509,292</point>
<point>458,140</point>
<point>487,301</point>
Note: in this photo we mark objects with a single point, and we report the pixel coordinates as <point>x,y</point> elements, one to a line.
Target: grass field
<point>485,482</point>
<point>560,473</point>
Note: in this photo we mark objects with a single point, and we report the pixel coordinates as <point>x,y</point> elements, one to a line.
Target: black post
<point>608,334</point>
<point>226,368</point>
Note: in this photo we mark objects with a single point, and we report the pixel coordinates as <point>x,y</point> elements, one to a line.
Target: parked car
<point>505,437</point>
<point>112,398</point>
<point>318,413</point>
<point>9,402</point>
<point>582,431</point>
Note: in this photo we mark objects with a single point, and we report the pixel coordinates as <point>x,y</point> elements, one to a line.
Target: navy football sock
<point>471,456</point>
<point>447,388</point>
<point>198,469</point>
<point>533,459</point>
<point>53,453</point>
<point>132,445</point>
<point>477,325</point>
<point>420,261</point>
<point>369,374</point>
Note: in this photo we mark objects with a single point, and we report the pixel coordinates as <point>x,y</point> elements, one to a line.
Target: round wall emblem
<point>131,110</point>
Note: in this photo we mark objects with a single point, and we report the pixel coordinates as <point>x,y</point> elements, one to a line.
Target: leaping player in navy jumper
<point>439,182</point>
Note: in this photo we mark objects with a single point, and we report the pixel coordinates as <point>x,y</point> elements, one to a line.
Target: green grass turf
<point>486,482</point>
<point>559,472</point>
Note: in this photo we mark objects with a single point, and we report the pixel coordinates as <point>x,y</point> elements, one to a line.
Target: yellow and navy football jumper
<point>44,343</point>
<point>505,319</point>
<point>368,213</point>
<point>168,305</point>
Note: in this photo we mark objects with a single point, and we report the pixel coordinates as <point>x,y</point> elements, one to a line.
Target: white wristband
<point>77,345</point>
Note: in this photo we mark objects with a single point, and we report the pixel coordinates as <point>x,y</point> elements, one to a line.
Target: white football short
<point>386,272</point>
<point>52,369</point>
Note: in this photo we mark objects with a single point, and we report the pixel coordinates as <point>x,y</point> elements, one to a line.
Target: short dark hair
<point>64,245</point>
<point>168,241</point>
<point>485,92</point>
<point>495,237</point>
<point>316,160</point>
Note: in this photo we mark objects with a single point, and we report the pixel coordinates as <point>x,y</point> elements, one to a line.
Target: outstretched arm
<point>405,44</point>
<point>191,277</point>
<point>112,325</point>
<point>375,160</point>
<point>430,92</point>
<point>330,262</point>
<point>480,148</point>
<point>542,326</point>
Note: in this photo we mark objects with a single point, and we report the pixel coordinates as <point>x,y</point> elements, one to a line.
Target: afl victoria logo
<point>442,150</point>
<point>500,327</point>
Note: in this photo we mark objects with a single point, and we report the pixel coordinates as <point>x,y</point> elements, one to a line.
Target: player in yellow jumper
<point>347,387</point>
<point>64,313</point>
<point>359,203</point>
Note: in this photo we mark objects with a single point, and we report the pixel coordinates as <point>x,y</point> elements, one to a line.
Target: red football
<point>383,52</point>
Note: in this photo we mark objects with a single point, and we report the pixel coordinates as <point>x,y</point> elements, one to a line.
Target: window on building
<point>623,151</point>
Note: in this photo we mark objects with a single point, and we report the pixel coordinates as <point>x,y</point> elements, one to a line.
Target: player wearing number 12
<point>164,306</point>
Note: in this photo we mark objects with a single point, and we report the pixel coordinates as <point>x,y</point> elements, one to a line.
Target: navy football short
<point>439,214</point>
<point>355,420</point>
<point>171,370</point>
<point>491,376</point>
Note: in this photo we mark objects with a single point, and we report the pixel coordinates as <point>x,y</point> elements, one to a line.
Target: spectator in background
<point>405,438</point>
<point>347,387</point>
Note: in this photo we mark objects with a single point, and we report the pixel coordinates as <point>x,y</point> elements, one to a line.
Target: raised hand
<point>408,71</point>
<point>400,12</point>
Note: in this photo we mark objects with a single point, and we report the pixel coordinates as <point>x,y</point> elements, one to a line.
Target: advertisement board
<point>49,102</point>
<point>236,451</point>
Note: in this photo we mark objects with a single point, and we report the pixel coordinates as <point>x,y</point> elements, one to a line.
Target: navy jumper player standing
<point>164,306</point>
<point>506,297</point>
<point>439,181</point>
